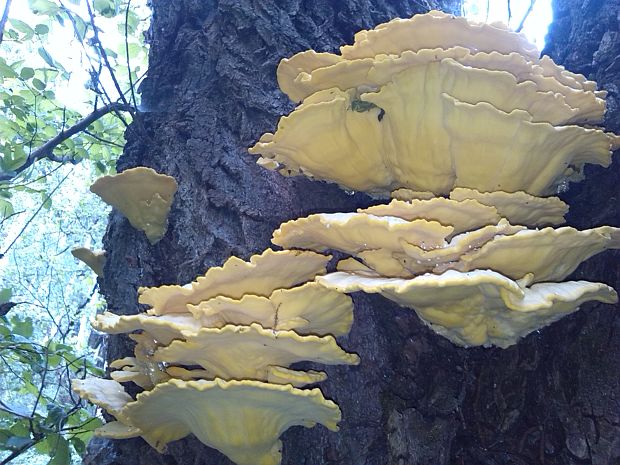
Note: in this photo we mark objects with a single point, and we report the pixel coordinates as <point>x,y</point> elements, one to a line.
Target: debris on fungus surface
<point>94,259</point>
<point>142,195</point>
<point>471,134</point>
<point>227,356</point>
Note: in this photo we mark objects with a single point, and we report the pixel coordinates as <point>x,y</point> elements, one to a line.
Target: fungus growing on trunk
<point>244,324</point>
<point>142,195</point>
<point>466,128</point>
<point>94,259</point>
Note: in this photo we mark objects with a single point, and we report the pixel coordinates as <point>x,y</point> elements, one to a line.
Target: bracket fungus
<point>142,195</point>
<point>471,134</point>
<point>243,324</point>
<point>488,113</point>
<point>262,275</point>
<point>94,259</point>
<point>479,307</point>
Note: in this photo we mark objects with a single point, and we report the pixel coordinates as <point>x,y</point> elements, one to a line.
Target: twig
<point>18,452</point>
<point>527,13</point>
<point>5,17</point>
<point>36,213</point>
<point>102,140</point>
<point>47,149</point>
<point>103,54</point>
<point>133,95</point>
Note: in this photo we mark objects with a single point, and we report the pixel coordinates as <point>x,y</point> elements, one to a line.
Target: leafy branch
<point>47,149</point>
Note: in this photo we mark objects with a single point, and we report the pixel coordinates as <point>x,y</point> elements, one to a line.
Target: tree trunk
<point>415,399</point>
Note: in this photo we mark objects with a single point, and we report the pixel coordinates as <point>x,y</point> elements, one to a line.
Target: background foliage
<point>68,76</point>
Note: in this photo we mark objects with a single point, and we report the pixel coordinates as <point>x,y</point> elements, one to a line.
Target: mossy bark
<point>415,399</point>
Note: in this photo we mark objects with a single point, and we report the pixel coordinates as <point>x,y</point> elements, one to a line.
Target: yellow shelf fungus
<point>378,141</point>
<point>94,259</point>
<point>480,307</point>
<point>244,391</point>
<point>518,207</point>
<point>353,232</point>
<point>461,215</point>
<point>260,276</point>
<point>419,108</point>
<point>306,309</point>
<point>142,195</point>
<point>246,352</point>
<point>433,103</point>
<point>242,419</point>
<point>441,106</point>
<point>412,260</point>
<point>548,254</point>
<point>567,104</point>
<point>164,328</point>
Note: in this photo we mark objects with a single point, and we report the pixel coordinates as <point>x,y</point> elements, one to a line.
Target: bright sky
<point>535,27</point>
<point>66,49</point>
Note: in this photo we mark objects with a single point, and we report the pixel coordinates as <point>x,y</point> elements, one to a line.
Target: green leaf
<point>6,209</point>
<point>5,70</point>
<point>59,450</point>
<point>43,7</point>
<point>81,27</point>
<point>22,327</point>
<point>105,8</point>
<point>38,84</point>
<point>5,295</point>
<point>23,28</point>
<point>47,201</point>
<point>41,29</point>
<point>55,415</point>
<point>47,57</point>
<point>26,73</point>
<point>78,445</point>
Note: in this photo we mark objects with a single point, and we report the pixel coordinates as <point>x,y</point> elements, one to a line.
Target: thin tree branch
<point>527,13</point>
<point>102,140</point>
<point>35,213</point>
<point>5,17</point>
<point>47,149</point>
<point>18,452</point>
<point>131,85</point>
<point>103,54</point>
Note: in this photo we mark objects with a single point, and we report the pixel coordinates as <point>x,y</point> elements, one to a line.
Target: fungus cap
<point>548,254</point>
<point>412,261</point>
<point>377,142</point>
<point>246,352</point>
<point>354,232</point>
<point>512,71</point>
<point>94,259</point>
<point>142,195</point>
<point>105,393</point>
<point>261,275</point>
<point>463,215</point>
<point>275,375</point>
<point>480,307</point>
<point>117,430</point>
<point>518,207</point>
<point>242,419</point>
<point>306,309</point>
<point>164,328</point>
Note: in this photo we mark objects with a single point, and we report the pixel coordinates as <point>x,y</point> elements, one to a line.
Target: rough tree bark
<point>415,399</point>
